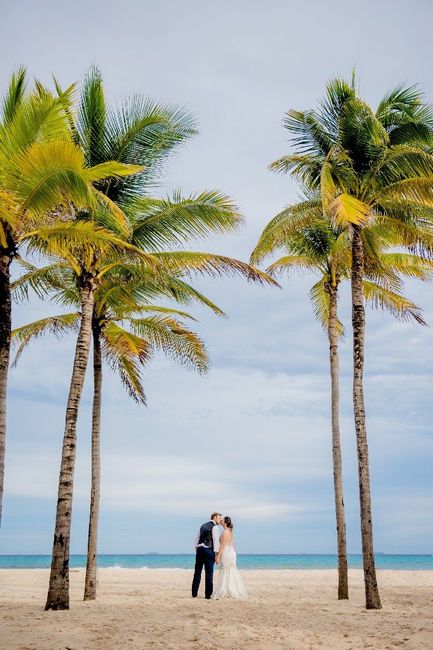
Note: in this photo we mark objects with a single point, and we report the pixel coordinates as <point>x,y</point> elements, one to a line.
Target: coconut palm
<point>325,251</point>
<point>374,169</point>
<point>142,132</point>
<point>41,171</point>
<point>81,245</point>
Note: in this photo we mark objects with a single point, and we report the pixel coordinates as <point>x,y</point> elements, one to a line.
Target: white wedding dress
<point>230,583</point>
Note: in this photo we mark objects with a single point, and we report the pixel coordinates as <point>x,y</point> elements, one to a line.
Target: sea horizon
<point>246,561</point>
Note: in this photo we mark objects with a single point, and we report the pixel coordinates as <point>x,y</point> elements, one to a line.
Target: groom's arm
<point>197,537</point>
<point>216,539</point>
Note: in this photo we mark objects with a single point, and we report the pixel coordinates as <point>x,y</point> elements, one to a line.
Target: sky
<point>252,438</point>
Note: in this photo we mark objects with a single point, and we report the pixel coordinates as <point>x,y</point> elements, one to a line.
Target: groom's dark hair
<point>215,514</point>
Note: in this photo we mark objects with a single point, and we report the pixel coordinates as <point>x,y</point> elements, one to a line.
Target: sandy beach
<point>152,609</point>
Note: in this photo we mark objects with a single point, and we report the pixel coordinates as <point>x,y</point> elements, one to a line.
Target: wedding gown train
<point>230,584</point>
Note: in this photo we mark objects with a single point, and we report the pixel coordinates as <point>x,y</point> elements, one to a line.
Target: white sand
<point>152,609</point>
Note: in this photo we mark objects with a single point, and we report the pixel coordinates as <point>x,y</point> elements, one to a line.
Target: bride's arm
<point>223,543</point>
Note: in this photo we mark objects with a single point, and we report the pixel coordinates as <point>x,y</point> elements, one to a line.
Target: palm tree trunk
<point>58,591</point>
<point>343,586</point>
<point>92,542</point>
<point>5,344</point>
<point>372,597</point>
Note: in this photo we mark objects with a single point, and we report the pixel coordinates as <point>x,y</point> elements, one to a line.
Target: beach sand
<point>139,608</point>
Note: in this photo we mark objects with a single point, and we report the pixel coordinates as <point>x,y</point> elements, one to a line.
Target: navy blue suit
<point>205,557</point>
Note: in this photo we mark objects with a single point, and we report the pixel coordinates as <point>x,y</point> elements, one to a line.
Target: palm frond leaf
<point>159,223</point>
<point>55,325</point>
<point>398,305</point>
<point>170,336</point>
<point>14,95</point>
<point>282,227</point>
<point>189,262</point>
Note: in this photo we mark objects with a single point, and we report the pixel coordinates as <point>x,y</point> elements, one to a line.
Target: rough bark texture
<point>358,322</point>
<point>58,591</point>
<point>5,344</point>
<point>343,586</point>
<point>92,541</point>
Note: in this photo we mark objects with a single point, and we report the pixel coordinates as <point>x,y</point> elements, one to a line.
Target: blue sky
<point>252,439</point>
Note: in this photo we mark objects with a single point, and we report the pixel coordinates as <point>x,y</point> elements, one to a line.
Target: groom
<point>207,544</point>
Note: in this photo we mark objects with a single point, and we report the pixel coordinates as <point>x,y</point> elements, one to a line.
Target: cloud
<point>251,443</point>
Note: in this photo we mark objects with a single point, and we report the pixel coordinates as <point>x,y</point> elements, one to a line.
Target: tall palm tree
<point>142,132</point>
<point>81,245</point>
<point>325,251</point>
<point>41,170</point>
<point>372,168</point>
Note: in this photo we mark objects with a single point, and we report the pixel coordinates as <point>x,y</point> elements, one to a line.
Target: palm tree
<point>142,132</point>
<point>41,170</point>
<point>375,170</point>
<point>81,245</point>
<point>325,251</point>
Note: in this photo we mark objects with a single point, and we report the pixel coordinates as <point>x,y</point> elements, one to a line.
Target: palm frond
<point>287,223</point>
<point>40,280</point>
<point>47,174</point>
<point>408,265</point>
<point>170,336</point>
<point>308,135</point>
<point>296,263</point>
<point>169,311</point>
<point>417,189</point>
<point>184,293</point>
<point>406,116</point>
<point>66,99</point>
<point>141,127</point>
<point>165,222</point>
<point>109,170</point>
<point>328,188</point>
<point>56,325</point>
<point>81,244</point>
<point>346,209</point>
<point>91,119</point>
<point>36,119</point>
<point>396,232</point>
<point>306,169</point>
<point>402,161</point>
<point>139,131</point>
<point>14,95</point>
<point>399,306</point>
<point>130,283</point>
<point>189,262</point>
<point>126,353</point>
<point>338,94</point>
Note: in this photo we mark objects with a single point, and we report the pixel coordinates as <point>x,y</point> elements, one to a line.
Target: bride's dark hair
<point>228,522</point>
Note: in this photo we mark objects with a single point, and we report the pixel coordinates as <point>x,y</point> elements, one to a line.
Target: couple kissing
<point>215,547</point>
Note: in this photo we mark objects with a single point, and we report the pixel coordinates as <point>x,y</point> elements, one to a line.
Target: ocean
<point>157,561</point>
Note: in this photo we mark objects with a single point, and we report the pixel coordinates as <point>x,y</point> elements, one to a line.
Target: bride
<point>230,583</point>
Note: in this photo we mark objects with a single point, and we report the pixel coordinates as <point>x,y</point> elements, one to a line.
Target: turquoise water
<point>155,561</point>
